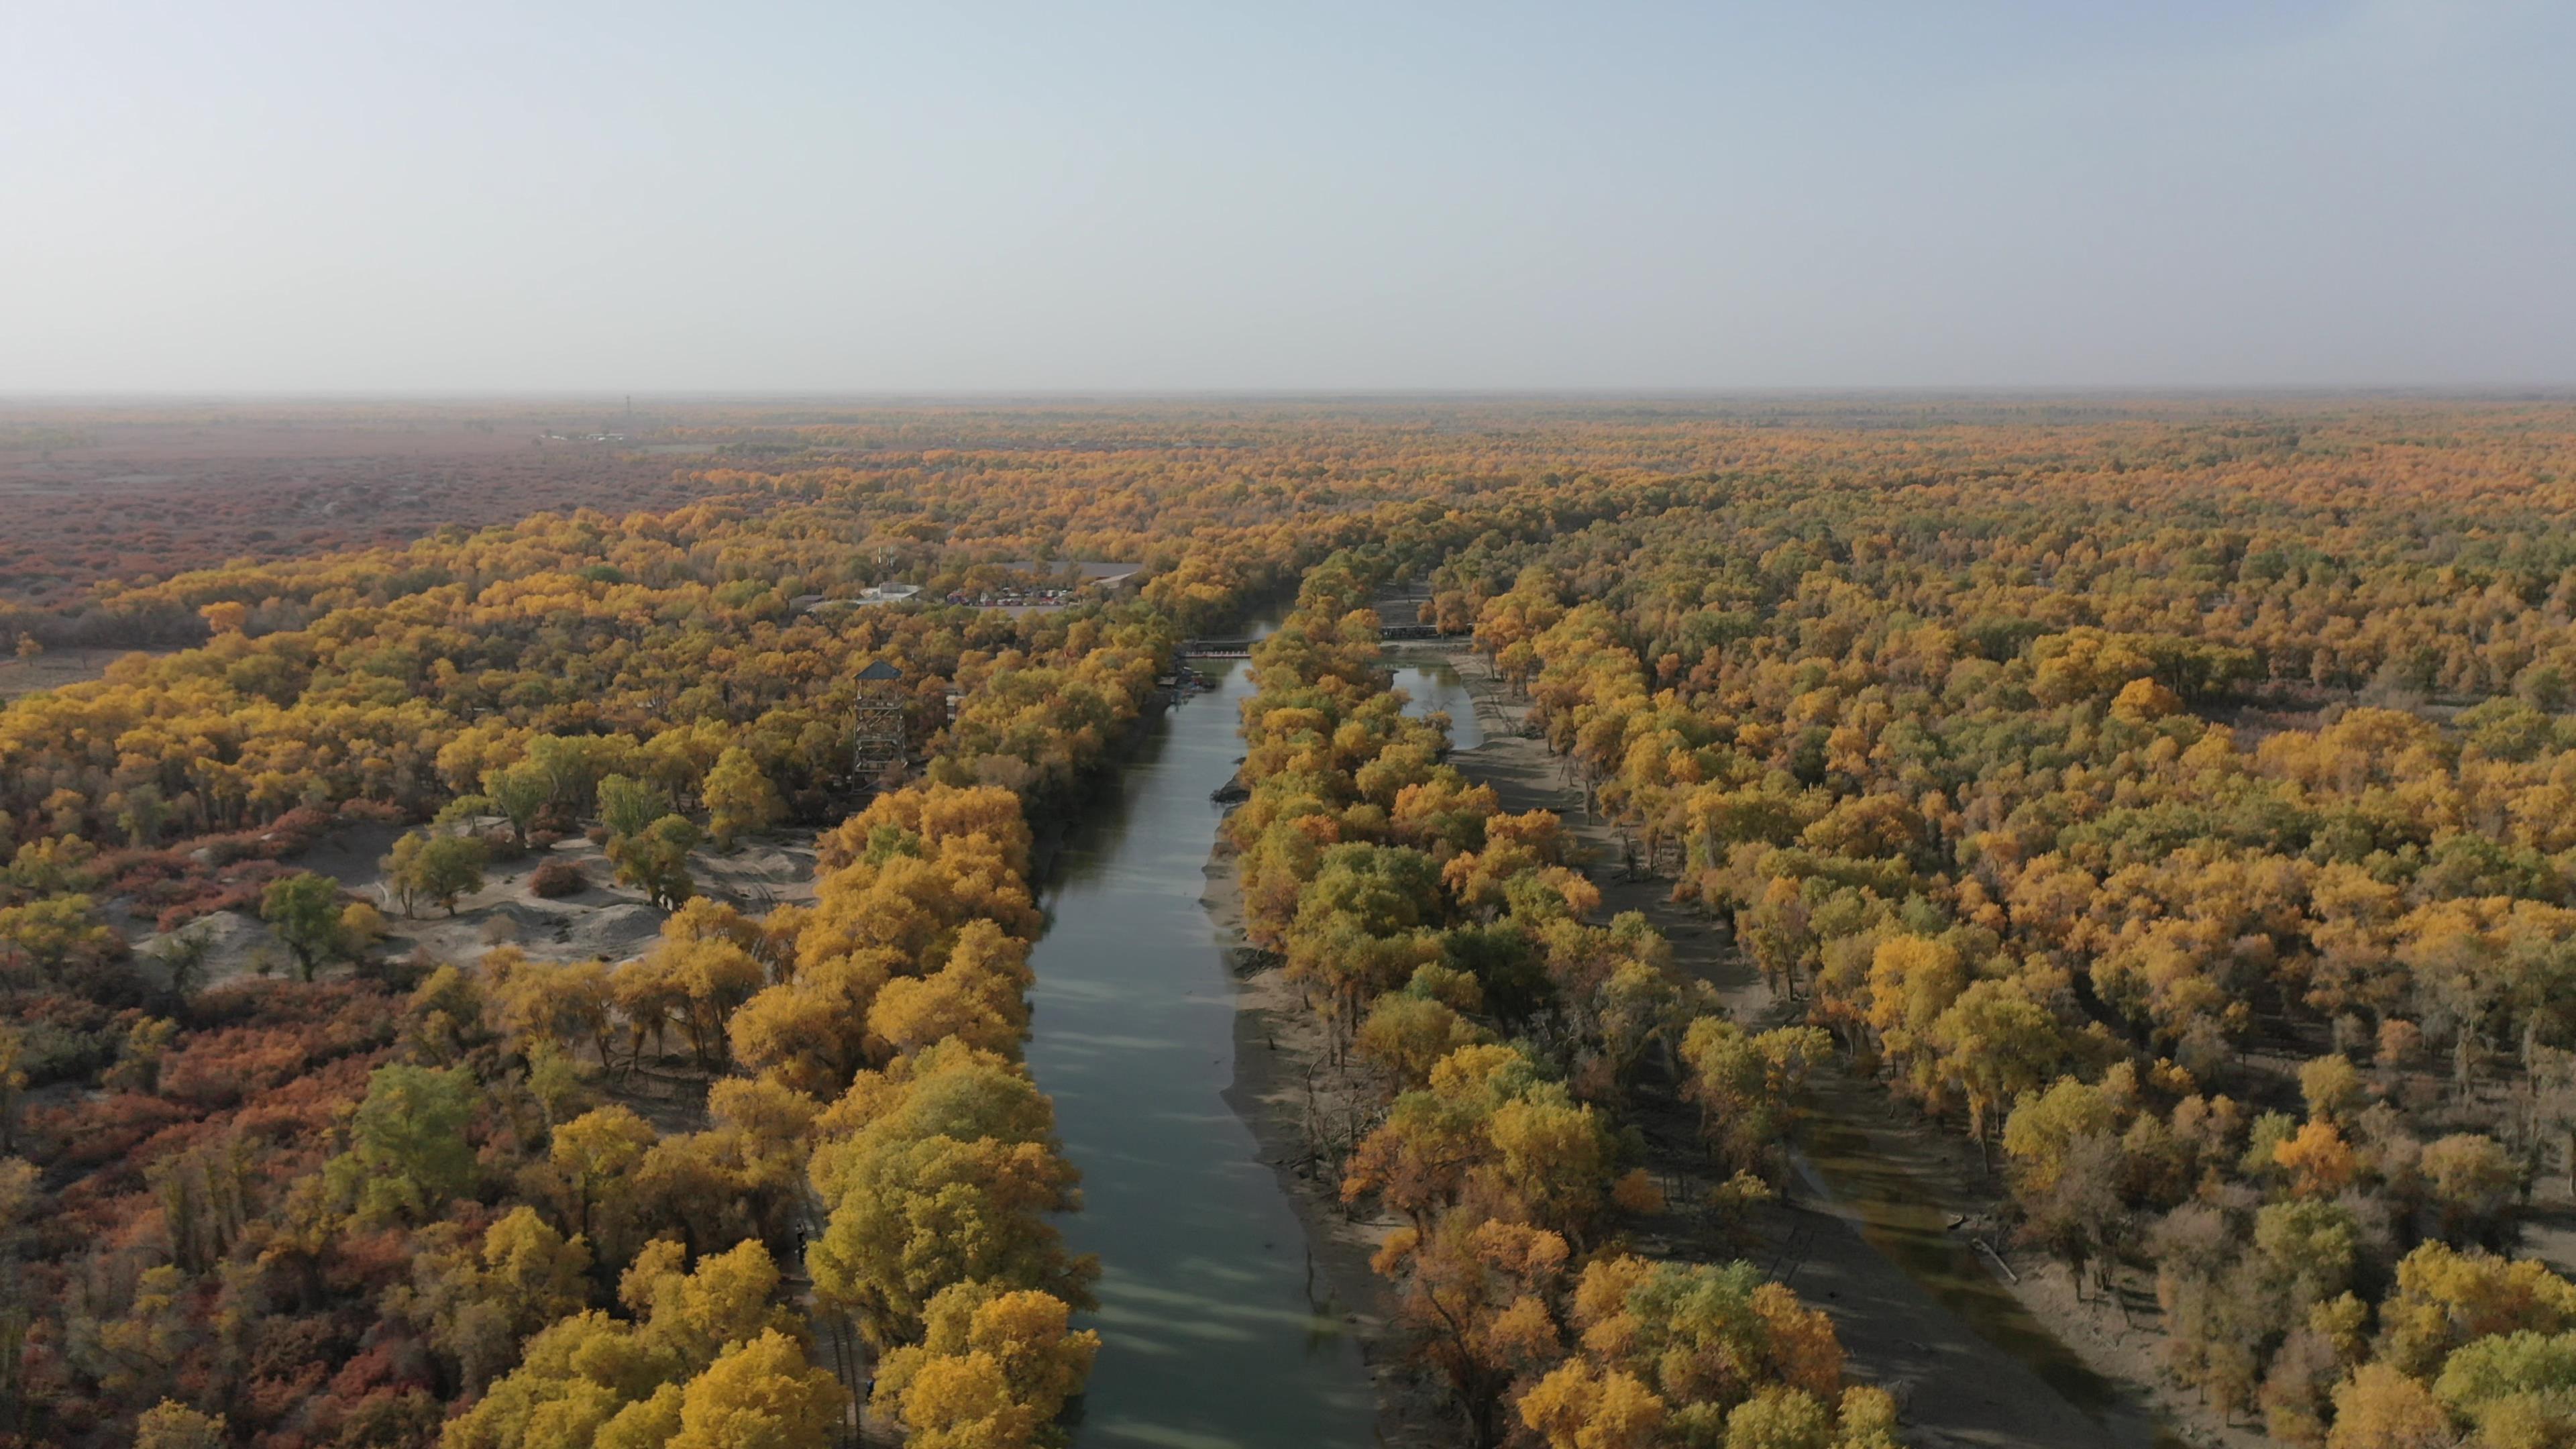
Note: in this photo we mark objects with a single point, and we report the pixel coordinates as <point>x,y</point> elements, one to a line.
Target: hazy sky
<point>938,196</point>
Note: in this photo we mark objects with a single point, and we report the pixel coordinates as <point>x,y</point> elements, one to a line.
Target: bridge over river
<point>1242,648</point>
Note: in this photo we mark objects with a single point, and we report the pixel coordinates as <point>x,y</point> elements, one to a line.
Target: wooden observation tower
<point>879,740</point>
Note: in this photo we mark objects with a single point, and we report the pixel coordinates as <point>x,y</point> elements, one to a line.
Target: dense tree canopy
<point>2177,801</point>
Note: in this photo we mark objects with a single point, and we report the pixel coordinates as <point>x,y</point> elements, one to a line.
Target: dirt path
<point>2035,1369</point>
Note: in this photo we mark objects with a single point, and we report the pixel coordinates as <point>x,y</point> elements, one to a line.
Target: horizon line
<point>2491,391</point>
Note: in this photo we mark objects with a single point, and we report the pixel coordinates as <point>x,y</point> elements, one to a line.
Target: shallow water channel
<point>1846,1155</point>
<point>1217,1331</point>
<point>1433,685</point>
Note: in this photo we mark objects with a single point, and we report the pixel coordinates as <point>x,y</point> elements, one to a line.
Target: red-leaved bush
<point>557,878</point>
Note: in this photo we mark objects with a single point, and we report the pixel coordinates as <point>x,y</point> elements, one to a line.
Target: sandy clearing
<point>58,667</point>
<point>604,921</point>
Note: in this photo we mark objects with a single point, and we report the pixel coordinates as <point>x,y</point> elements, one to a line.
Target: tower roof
<point>880,670</point>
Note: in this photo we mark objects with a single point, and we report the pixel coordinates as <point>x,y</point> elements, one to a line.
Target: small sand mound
<point>235,945</point>
<point>768,863</point>
<point>532,919</point>
<point>615,933</point>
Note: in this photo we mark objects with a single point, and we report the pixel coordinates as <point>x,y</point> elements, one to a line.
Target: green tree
<point>629,806</point>
<point>520,793</point>
<point>922,1215</point>
<point>140,813</point>
<point>304,910</point>
<point>1744,1085</point>
<point>573,765</point>
<point>656,860</point>
<point>408,1151</point>
<point>2517,1388</point>
<point>1997,1043</point>
<point>951,1181</point>
<point>435,866</point>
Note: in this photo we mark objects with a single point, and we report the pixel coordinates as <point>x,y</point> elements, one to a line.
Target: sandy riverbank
<point>1282,1083</point>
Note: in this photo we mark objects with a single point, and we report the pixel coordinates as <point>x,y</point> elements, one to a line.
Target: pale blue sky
<point>936,197</point>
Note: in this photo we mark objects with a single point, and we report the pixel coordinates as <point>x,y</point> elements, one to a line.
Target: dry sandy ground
<point>605,921</point>
<point>129,490</point>
<point>57,667</point>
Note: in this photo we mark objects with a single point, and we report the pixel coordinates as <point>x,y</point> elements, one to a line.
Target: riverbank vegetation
<point>1453,946</point>
<point>2206,860</point>
<point>512,1199</point>
<point>2171,800</point>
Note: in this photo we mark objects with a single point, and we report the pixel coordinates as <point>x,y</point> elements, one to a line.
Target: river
<point>1216,1331</point>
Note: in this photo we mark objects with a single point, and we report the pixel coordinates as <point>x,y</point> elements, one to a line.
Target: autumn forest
<point>518,926</point>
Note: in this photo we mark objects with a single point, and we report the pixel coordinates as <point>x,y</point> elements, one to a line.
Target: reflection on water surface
<point>1216,1333</point>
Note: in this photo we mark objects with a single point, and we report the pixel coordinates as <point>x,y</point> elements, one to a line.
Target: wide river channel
<point>1217,1332</point>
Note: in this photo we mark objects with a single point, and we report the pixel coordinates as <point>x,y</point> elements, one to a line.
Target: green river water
<point>1217,1331</point>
